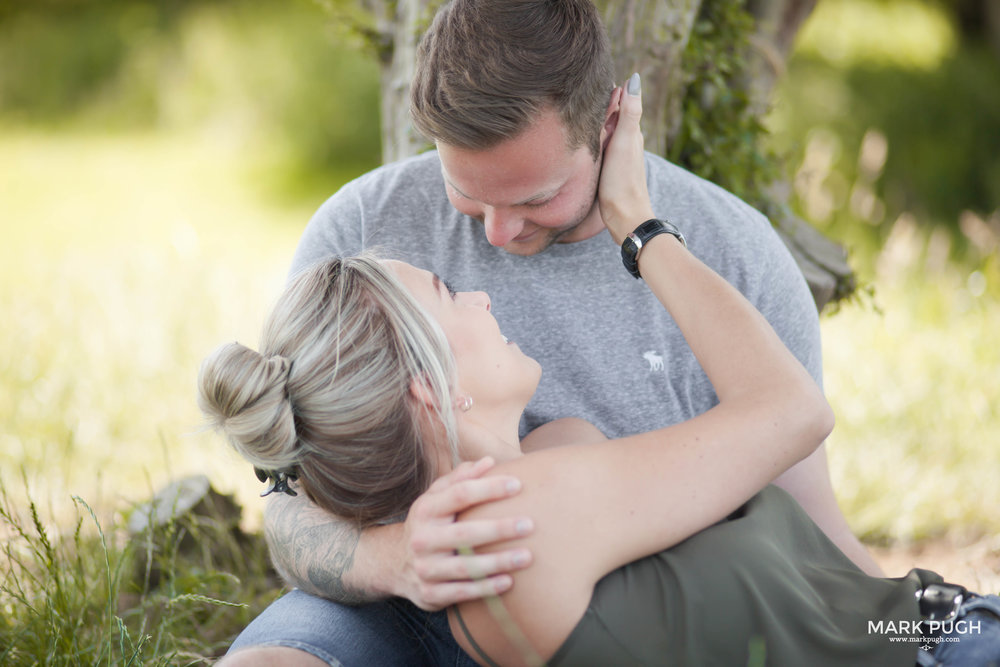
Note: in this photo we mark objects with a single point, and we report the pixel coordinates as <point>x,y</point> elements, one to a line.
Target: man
<point>518,96</point>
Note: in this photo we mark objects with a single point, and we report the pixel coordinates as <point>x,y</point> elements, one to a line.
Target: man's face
<point>530,191</point>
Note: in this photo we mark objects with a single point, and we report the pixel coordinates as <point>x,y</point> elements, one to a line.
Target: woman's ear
<point>422,393</point>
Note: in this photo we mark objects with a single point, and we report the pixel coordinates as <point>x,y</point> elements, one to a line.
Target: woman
<point>663,547</point>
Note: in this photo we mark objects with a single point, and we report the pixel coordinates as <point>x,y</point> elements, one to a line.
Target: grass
<point>128,257</point>
<point>914,381</point>
<point>125,260</point>
<point>94,596</point>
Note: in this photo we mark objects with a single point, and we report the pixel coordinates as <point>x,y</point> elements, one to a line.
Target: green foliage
<point>721,136</point>
<point>78,598</point>
<point>52,64</point>
<point>273,76</point>
<point>61,56</point>
<point>940,162</point>
<point>881,123</point>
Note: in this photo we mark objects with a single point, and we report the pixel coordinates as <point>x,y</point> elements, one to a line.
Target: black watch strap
<point>634,242</point>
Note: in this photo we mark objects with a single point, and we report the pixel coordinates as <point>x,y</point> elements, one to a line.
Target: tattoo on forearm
<point>314,550</point>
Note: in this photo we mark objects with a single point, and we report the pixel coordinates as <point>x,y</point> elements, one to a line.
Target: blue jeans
<point>391,632</point>
<point>973,643</point>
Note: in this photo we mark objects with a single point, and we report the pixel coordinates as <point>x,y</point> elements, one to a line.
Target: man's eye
<point>539,204</point>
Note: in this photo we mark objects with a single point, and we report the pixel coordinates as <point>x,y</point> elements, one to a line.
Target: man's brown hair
<point>486,69</point>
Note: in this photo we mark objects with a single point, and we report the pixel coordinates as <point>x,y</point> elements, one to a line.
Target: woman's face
<point>493,371</point>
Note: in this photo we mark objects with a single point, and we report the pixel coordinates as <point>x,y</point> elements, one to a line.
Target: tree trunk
<point>822,262</point>
<point>778,22</point>
<point>398,26</point>
<point>649,37</point>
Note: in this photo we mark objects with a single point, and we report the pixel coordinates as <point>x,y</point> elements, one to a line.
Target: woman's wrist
<point>632,246</point>
<point>623,223</point>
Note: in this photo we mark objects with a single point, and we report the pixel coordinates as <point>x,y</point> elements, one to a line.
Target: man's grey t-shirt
<point>609,351</point>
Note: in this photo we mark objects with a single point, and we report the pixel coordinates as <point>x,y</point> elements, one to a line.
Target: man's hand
<point>330,557</point>
<point>434,574</point>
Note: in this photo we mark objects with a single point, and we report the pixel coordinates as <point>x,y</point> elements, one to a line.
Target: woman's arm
<point>599,506</point>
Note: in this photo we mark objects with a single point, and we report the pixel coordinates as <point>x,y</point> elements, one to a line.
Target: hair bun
<point>246,396</point>
<point>281,367</point>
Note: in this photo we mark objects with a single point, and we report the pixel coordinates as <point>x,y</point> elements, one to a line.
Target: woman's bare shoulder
<point>549,596</point>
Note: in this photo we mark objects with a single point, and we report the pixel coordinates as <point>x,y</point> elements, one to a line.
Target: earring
<point>465,403</point>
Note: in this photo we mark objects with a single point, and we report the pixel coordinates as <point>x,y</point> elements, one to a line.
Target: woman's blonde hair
<point>328,395</point>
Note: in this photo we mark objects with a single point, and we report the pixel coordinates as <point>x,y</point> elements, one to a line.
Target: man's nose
<point>501,225</point>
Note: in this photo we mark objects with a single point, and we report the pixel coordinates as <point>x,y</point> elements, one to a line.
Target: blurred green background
<point>158,161</point>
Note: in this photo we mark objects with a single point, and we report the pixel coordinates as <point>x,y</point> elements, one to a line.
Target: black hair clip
<point>278,480</point>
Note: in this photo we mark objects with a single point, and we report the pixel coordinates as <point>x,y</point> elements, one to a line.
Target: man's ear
<point>611,117</point>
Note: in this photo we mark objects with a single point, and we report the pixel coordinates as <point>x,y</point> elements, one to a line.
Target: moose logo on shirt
<point>655,360</point>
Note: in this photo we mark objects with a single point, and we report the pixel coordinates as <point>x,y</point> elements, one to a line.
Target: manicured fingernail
<point>634,84</point>
<point>513,485</point>
<point>500,584</point>
<point>520,558</point>
<point>523,526</point>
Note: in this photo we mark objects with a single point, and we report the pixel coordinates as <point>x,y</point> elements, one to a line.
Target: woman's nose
<point>481,299</point>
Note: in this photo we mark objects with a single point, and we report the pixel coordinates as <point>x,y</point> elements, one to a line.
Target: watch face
<point>629,247</point>
<point>629,253</point>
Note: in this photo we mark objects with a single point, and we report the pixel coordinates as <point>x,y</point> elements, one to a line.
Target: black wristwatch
<point>633,242</point>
